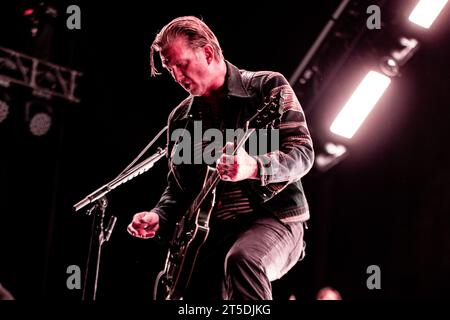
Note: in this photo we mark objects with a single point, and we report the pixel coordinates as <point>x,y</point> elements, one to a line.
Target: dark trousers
<point>241,258</point>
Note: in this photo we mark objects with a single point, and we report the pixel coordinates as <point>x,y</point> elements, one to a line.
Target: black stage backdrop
<point>386,204</point>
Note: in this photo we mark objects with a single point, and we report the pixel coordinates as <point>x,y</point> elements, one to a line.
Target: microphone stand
<point>124,177</point>
<point>99,234</point>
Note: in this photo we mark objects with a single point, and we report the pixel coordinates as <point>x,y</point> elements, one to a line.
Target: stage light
<point>38,115</point>
<point>406,48</point>
<point>426,11</point>
<point>389,66</point>
<point>335,149</point>
<point>38,16</point>
<point>4,110</point>
<point>28,12</point>
<point>40,124</point>
<point>360,104</point>
<point>332,154</point>
<point>5,100</point>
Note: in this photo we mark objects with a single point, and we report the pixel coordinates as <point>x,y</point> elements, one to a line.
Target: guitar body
<point>190,234</point>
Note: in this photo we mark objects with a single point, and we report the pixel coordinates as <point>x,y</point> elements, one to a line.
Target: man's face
<point>189,67</point>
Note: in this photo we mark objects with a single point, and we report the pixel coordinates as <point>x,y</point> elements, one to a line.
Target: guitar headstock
<point>270,111</point>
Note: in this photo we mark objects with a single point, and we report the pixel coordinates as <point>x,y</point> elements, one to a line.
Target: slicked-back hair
<point>195,31</point>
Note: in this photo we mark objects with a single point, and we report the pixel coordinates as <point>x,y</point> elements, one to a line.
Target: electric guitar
<point>192,229</point>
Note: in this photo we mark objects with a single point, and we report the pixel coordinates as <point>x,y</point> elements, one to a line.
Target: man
<point>257,223</point>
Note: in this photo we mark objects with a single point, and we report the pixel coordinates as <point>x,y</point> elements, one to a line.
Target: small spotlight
<point>389,66</point>
<point>28,12</point>
<point>331,156</point>
<point>5,100</point>
<point>40,124</point>
<point>38,114</point>
<point>335,149</point>
<point>38,16</point>
<point>4,110</point>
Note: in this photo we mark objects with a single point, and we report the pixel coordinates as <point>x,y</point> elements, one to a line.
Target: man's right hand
<point>144,225</point>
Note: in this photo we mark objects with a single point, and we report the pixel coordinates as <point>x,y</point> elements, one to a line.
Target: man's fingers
<point>226,159</point>
<point>228,148</point>
<point>131,230</point>
<point>146,224</point>
<point>228,175</point>
<point>136,224</point>
<point>146,234</point>
<point>151,234</point>
<point>141,233</point>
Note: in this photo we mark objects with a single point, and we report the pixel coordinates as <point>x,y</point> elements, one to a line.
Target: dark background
<point>387,203</point>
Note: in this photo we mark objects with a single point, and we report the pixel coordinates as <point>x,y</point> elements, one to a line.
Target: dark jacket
<point>279,189</point>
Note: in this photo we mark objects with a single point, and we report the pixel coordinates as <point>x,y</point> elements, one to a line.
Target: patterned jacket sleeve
<point>295,156</point>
